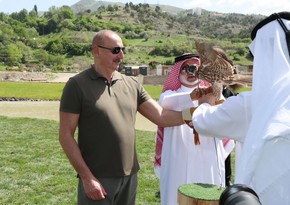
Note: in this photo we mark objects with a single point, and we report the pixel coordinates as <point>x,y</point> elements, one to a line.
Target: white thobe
<point>183,162</point>
<point>260,119</point>
<point>270,174</point>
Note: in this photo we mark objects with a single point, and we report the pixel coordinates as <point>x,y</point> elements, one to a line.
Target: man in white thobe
<point>259,119</point>
<point>183,161</point>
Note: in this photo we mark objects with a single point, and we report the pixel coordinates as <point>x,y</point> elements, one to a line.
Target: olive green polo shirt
<point>106,128</point>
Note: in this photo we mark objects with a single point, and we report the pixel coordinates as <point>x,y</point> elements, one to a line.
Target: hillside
<point>94,5</point>
<point>170,19</point>
<point>59,39</point>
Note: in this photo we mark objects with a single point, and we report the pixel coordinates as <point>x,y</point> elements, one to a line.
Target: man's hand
<point>93,189</point>
<point>208,98</point>
<point>199,92</point>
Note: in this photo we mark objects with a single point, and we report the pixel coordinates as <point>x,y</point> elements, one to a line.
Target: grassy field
<point>49,91</point>
<point>52,91</point>
<point>34,169</point>
<point>45,91</point>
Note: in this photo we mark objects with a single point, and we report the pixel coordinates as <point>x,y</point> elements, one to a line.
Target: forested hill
<point>165,18</point>
<point>60,38</point>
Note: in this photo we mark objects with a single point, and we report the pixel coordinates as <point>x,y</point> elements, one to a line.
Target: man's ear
<point>95,50</point>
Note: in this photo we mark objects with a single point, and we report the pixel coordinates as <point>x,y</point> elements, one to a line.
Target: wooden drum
<point>199,194</point>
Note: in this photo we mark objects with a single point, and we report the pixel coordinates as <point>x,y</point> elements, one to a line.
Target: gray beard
<point>185,82</point>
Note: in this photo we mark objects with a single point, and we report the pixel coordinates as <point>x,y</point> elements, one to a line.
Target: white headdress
<point>270,90</point>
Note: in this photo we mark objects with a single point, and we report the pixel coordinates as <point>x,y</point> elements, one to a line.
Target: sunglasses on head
<point>114,50</point>
<point>189,68</point>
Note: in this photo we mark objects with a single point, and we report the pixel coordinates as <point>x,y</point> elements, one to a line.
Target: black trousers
<point>228,168</point>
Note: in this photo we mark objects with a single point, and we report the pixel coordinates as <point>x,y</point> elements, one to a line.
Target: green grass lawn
<point>34,169</point>
<point>49,91</point>
<point>33,90</point>
<point>52,91</point>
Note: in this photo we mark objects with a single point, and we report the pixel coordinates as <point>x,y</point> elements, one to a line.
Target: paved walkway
<point>49,110</point>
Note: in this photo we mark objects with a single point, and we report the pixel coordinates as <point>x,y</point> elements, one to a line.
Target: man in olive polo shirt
<point>103,103</point>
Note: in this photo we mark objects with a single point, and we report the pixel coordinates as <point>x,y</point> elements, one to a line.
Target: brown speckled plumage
<point>216,67</point>
<point>215,64</point>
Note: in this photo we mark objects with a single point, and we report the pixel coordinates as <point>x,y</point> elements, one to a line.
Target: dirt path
<point>49,110</point>
<point>17,76</point>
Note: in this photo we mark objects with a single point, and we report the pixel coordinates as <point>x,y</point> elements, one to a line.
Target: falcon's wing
<point>215,65</point>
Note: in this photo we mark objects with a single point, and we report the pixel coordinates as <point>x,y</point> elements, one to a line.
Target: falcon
<point>215,66</point>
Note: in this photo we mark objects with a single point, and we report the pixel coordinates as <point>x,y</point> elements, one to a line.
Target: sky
<point>264,7</point>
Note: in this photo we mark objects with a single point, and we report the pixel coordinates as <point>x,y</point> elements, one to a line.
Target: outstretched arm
<point>159,116</point>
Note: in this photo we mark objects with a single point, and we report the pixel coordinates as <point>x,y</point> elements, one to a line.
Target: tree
<point>65,12</point>
<point>102,8</point>
<point>55,47</point>
<point>6,33</point>
<point>41,56</point>
<point>157,9</point>
<point>127,8</point>
<point>20,16</point>
<point>13,54</point>
<point>33,14</point>
<point>110,8</point>
<point>26,52</point>
<point>67,24</point>
<point>35,9</point>
<point>240,51</point>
